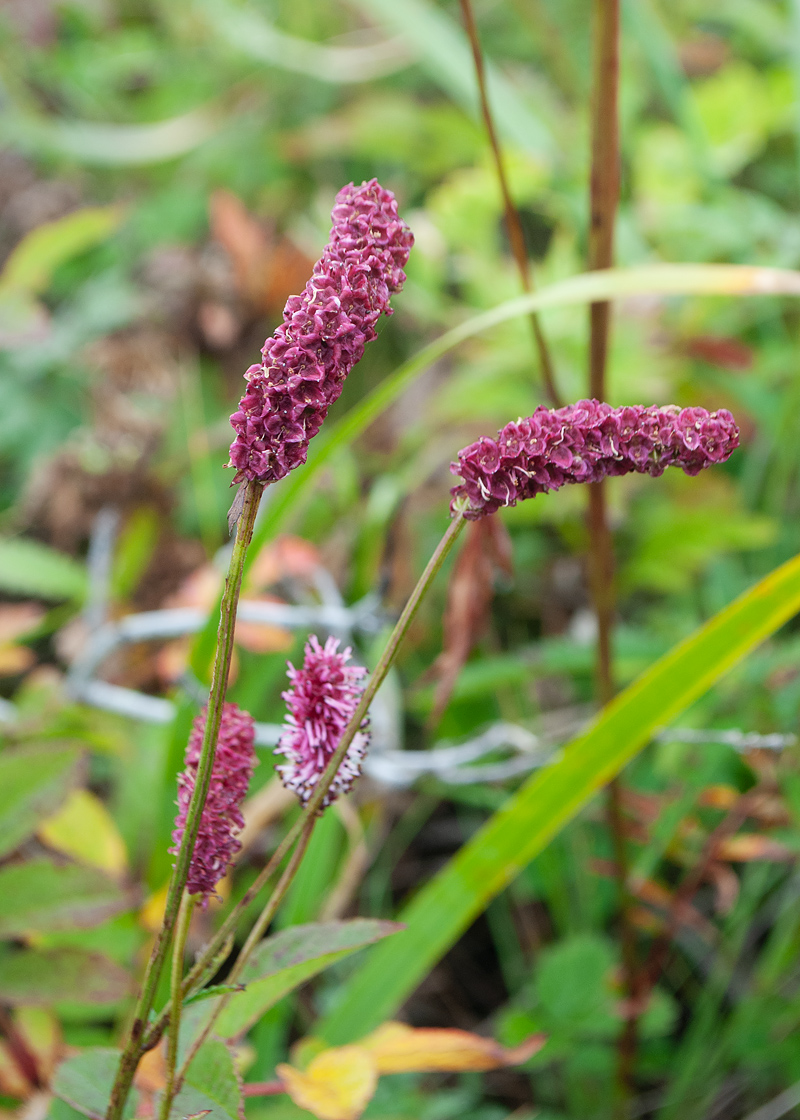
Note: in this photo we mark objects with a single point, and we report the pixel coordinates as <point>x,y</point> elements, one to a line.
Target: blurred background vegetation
<point>167,169</point>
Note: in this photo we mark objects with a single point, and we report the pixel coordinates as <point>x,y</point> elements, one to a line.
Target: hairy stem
<point>266,916</point>
<point>219,683</point>
<point>176,976</point>
<point>603,201</point>
<point>513,222</point>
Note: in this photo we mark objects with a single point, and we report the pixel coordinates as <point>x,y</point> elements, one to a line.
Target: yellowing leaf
<point>84,829</point>
<point>151,914</point>
<point>338,1084</point>
<point>397,1048</point>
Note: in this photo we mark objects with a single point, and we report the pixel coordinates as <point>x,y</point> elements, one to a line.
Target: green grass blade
<point>547,801</point>
<point>612,283</point>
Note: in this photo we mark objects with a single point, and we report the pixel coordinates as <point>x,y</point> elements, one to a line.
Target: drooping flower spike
<point>585,442</point>
<point>322,336</point>
<point>221,820</point>
<point>323,697</point>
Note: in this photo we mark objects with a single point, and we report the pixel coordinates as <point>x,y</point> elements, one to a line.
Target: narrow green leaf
<point>211,1083</point>
<point>30,977</point>
<point>85,1080</point>
<point>547,801</point>
<point>40,896</point>
<point>33,261</point>
<point>30,568</point>
<point>110,145</point>
<point>33,783</point>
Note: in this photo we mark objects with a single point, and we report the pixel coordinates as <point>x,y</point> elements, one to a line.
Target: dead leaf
<point>15,659</point>
<point>719,797</point>
<point>726,886</point>
<point>398,1048</point>
<point>748,846</point>
<point>285,558</point>
<point>486,552</point>
<point>17,619</point>
<point>268,268</point>
<point>337,1085</point>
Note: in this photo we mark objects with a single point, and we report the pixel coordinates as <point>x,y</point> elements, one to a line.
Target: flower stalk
<point>176,1000</point>
<point>219,683</point>
<point>316,801</point>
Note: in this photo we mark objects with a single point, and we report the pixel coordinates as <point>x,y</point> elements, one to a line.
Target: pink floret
<point>322,336</point>
<point>324,695</point>
<point>221,820</point>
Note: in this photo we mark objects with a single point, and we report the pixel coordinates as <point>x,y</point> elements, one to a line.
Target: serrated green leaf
<point>30,568</point>
<point>211,1083</point>
<point>85,1080</point>
<point>40,896</point>
<point>33,782</point>
<point>280,964</point>
<point>511,838</point>
<point>43,977</point>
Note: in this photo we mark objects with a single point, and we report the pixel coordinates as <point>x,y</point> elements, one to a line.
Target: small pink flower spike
<point>217,841</point>
<point>323,697</point>
<point>585,442</point>
<point>322,335</point>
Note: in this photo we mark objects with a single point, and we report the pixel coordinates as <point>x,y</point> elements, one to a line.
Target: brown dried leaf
<point>486,552</point>
<point>268,268</point>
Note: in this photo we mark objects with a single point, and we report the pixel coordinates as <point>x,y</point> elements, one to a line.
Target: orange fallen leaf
<point>398,1048</point>
<point>337,1085</point>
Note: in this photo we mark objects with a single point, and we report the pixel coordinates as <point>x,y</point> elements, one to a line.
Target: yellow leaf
<point>84,829</point>
<point>398,1048</point>
<point>338,1084</point>
<point>151,914</point>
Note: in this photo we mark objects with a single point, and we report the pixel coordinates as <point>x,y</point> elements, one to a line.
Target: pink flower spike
<point>322,335</point>
<point>585,442</point>
<point>324,695</point>
<point>217,843</point>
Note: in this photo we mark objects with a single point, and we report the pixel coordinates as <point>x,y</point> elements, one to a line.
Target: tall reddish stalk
<point>603,201</point>
<point>513,222</point>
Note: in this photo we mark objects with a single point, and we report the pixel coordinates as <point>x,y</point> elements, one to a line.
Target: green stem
<point>212,956</point>
<point>176,976</point>
<point>314,805</point>
<point>266,916</point>
<point>219,683</point>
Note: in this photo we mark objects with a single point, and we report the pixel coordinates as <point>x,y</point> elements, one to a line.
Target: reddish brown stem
<point>263,1088</point>
<point>603,201</point>
<point>659,949</point>
<point>513,222</point>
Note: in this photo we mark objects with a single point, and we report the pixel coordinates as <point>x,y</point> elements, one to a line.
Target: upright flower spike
<point>217,839</point>
<point>323,697</point>
<point>585,442</point>
<point>322,336</point>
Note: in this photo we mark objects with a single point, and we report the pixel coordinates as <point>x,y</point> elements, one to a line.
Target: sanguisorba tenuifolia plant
<point>326,732</point>
<point>289,392</point>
